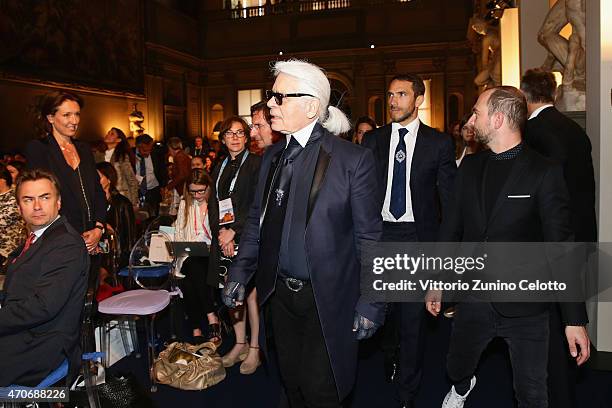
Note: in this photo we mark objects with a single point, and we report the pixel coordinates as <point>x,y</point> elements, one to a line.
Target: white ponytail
<point>336,122</point>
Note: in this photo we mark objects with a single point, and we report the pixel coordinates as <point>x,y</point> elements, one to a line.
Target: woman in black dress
<point>72,161</point>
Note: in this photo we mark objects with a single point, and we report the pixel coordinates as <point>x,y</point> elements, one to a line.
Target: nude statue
<point>567,56</point>
<point>490,56</point>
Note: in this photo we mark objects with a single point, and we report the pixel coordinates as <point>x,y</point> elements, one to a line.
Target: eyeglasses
<point>239,134</point>
<point>278,97</point>
<point>196,192</point>
<point>259,126</point>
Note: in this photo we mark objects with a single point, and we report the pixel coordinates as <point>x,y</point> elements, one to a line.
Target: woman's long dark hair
<point>109,172</point>
<point>122,150</point>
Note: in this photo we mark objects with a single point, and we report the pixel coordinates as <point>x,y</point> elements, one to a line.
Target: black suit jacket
<point>46,154</point>
<point>342,217</point>
<point>559,138</point>
<point>542,217</point>
<point>432,174</point>
<point>40,318</point>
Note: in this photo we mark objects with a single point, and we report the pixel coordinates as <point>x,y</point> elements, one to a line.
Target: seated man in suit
<point>45,286</point>
<point>542,216</point>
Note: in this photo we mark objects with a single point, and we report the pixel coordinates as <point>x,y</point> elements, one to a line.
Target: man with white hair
<point>313,211</point>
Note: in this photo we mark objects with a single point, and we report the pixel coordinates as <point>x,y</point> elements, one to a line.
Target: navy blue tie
<point>397,205</point>
<point>143,173</point>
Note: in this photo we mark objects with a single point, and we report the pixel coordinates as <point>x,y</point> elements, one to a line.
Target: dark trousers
<point>562,369</point>
<point>198,296</point>
<point>476,324</point>
<point>404,326</point>
<point>302,355</point>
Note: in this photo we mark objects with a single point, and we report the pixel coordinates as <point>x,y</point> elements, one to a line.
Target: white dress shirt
<point>152,181</point>
<point>303,135</point>
<point>536,112</point>
<point>410,139</point>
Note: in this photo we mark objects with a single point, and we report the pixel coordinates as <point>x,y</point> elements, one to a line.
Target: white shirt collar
<point>540,109</point>
<point>413,127</point>
<point>41,231</point>
<point>303,134</point>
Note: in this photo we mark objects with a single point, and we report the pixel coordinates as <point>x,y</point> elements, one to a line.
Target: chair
<point>145,301</point>
<point>140,302</point>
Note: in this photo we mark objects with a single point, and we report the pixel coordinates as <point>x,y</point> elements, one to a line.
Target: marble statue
<point>490,54</point>
<point>566,56</point>
<point>136,119</point>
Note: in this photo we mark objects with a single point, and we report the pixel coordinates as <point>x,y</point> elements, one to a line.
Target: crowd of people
<point>286,206</point>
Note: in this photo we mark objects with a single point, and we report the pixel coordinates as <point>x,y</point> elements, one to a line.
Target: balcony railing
<point>291,7</point>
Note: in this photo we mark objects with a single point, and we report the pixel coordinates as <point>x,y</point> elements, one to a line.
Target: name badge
<point>226,212</point>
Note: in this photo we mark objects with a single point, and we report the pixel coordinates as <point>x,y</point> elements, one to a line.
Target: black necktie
<point>397,204</point>
<point>272,227</point>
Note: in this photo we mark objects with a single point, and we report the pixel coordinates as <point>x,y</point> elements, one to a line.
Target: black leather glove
<point>232,292</point>
<point>364,327</point>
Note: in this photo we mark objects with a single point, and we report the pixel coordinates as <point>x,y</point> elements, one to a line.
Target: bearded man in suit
<point>509,193</point>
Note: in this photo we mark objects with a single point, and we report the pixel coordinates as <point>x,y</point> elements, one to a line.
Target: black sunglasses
<point>278,97</point>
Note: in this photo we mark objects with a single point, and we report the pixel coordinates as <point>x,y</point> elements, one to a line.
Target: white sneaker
<point>454,400</point>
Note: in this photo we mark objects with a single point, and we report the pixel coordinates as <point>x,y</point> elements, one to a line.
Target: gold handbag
<point>189,367</point>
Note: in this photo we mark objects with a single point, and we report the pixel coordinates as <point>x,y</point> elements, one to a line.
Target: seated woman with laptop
<point>192,225</point>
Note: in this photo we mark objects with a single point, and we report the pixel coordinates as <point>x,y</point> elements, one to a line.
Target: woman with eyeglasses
<point>193,225</point>
<point>235,181</point>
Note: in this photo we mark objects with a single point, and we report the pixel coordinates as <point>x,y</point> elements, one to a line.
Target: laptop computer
<point>185,248</point>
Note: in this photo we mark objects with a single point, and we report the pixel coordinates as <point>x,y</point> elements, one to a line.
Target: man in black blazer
<point>416,172</point>
<point>313,212</point>
<point>45,286</point>
<point>507,194</point>
<point>151,172</point>
<point>559,138</point>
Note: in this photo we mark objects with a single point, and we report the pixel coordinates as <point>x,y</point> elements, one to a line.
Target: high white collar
<point>303,134</point>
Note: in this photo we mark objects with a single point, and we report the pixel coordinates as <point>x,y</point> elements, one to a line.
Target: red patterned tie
<point>27,244</point>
